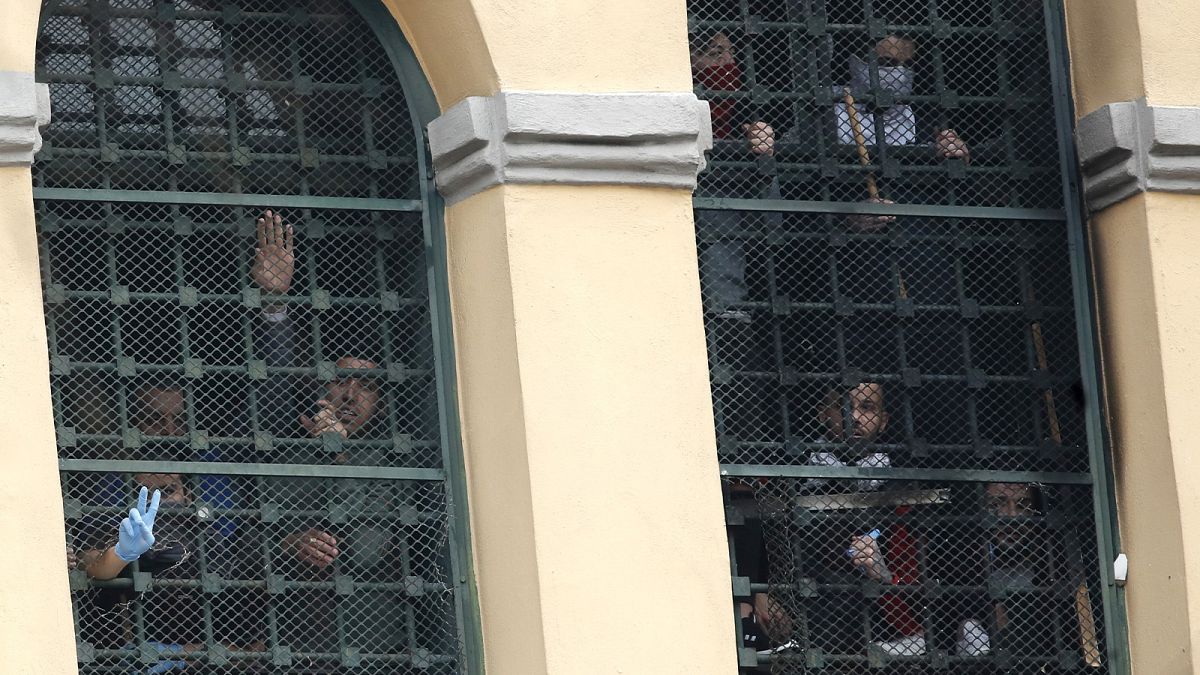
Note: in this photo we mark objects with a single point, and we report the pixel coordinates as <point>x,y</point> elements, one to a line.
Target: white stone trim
<point>24,107</point>
<point>1131,147</point>
<point>654,139</point>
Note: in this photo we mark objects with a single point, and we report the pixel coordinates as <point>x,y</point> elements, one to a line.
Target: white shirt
<point>899,124</point>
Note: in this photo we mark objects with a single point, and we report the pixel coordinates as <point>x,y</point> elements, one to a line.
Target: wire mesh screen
<point>271,371</point>
<point>964,577</point>
<point>207,96</point>
<point>229,587</point>
<point>891,316</point>
<point>938,102</point>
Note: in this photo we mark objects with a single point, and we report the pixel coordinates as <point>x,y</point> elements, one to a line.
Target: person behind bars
<point>854,420</point>
<point>1045,610</point>
<point>740,135</point>
<point>355,534</point>
<point>163,534</point>
<point>158,413</point>
<point>765,623</point>
<point>893,124</point>
<point>878,81</point>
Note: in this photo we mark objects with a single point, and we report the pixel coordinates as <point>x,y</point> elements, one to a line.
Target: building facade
<point>566,355</point>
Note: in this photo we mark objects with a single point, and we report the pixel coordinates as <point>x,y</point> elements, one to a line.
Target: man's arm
<point>774,618</point>
<point>273,271</point>
<point>135,536</point>
<point>276,400</point>
<point>103,565</point>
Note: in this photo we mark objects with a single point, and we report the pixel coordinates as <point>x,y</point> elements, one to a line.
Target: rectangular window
<point>899,336</point>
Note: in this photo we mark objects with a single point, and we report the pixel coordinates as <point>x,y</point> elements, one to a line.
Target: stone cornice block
<point>655,139</point>
<point>24,108</point>
<point>1131,147</point>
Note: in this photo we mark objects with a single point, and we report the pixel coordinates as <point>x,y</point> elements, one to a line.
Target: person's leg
<point>902,561</point>
<point>897,608</point>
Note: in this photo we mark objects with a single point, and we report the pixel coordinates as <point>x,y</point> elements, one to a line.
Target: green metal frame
<point>953,475</point>
<point>870,209</point>
<point>1104,491</point>
<point>423,109</point>
<point>225,199</point>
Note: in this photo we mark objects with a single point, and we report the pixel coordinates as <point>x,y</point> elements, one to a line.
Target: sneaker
<point>973,639</point>
<point>787,646</point>
<point>913,645</point>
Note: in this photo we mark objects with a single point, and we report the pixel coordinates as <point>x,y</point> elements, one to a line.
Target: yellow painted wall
<point>1106,63</point>
<point>449,43</point>
<point>1126,49</point>
<point>1135,243</point>
<point>18,34</point>
<point>477,47</point>
<point>1172,221</point>
<point>1145,270</point>
<point>603,420</point>
<point>36,635</point>
<point>1170,39</point>
<point>35,610</point>
<point>615,45</point>
<point>494,438</point>
<point>594,494</point>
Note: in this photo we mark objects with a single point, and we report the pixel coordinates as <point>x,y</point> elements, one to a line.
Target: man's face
<point>162,412</point>
<point>1011,501</point>
<point>174,492</point>
<point>867,415</point>
<point>712,52</point>
<point>894,50</point>
<point>355,398</point>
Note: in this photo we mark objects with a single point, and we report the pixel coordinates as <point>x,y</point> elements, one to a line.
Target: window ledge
<point>24,108</point>
<point>647,139</point>
<point>1131,147</point>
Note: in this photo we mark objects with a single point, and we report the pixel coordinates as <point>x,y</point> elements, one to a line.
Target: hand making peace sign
<point>136,534</point>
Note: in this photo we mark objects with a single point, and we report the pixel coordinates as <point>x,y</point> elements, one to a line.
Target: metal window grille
<point>283,386</point>
<point>899,334</point>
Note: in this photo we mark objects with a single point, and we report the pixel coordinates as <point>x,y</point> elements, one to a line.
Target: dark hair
<point>1036,495</point>
<point>841,389</point>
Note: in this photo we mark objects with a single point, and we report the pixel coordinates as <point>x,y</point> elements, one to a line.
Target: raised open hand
<point>136,533</point>
<point>274,255</point>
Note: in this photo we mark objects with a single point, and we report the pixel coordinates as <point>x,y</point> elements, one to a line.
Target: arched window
<point>242,266</point>
<point>900,337</point>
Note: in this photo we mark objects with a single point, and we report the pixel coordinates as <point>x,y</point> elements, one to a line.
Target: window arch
<point>243,273</point>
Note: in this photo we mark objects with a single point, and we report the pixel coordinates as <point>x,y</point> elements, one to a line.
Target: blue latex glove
<point>136,534</point>
<point>164,649</point>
